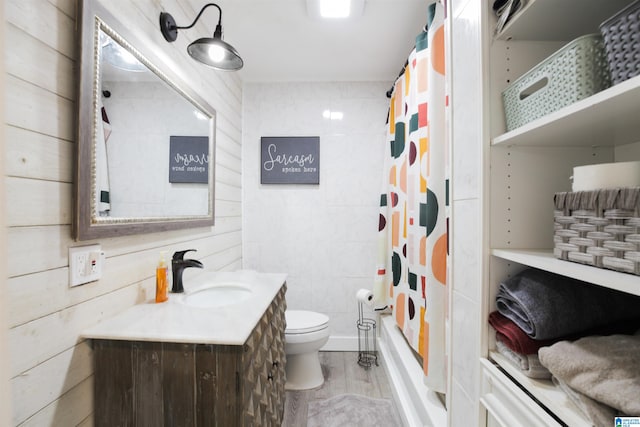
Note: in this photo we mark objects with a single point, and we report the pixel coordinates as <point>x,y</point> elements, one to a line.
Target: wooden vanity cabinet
<point>139,383</point>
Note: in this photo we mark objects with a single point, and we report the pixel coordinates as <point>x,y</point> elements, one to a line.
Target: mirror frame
<point>87,225</point>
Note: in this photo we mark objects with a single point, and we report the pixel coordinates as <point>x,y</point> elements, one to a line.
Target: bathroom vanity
<point>188,362</point>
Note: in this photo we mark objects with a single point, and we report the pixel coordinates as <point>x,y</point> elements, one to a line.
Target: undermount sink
<point>217,295</point>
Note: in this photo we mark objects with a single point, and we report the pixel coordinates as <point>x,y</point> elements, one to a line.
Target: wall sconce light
<point>211,51</point>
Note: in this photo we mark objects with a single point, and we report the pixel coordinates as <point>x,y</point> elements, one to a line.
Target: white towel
<point>600,415</point>
<point>603,368</point>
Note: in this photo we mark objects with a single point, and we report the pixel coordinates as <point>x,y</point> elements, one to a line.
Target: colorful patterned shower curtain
<point>103,187</point>
<point>412,264</point>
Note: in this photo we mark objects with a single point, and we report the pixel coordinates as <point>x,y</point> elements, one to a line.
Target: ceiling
<point>279,41</point>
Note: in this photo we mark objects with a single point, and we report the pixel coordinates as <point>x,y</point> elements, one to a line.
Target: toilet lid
<point>300,321</point>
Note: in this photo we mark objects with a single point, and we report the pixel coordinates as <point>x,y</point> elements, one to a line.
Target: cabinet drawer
<point>507,404</point>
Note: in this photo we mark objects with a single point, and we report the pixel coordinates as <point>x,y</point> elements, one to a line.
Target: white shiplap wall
<point>50,366</point>
<point>5,402</point>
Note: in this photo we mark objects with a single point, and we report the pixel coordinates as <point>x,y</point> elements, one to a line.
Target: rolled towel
<point>603,368</point>
<point>547,306</point>
<point>513,337</point>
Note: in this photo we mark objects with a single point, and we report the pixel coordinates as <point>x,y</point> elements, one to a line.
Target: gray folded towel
<point>548,306</point>
<point>529,364</point>
<point>603,368</point>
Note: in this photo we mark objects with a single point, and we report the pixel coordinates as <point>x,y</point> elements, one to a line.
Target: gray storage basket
<point>599,228</point>
<point>575,72</point>
<point>621,34</point>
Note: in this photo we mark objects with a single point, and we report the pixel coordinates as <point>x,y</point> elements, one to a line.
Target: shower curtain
<point>103,202</point>
<point>413,251</point>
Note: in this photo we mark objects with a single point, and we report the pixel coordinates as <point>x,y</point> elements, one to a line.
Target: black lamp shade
<point>215,53</point>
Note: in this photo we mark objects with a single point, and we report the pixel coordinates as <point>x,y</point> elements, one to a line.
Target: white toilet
<point>306,333</point>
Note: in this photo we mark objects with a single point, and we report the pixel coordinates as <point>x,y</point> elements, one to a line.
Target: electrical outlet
<point>85,264</point>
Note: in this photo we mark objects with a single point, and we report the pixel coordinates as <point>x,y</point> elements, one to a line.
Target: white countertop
<point>174,321</point>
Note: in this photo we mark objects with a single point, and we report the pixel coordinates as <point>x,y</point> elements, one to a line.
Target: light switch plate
<point>85,264</point>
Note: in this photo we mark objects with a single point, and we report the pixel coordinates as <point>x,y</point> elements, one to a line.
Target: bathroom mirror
<point>146,139</point>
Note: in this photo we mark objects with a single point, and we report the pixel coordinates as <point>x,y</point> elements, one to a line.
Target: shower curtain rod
<point>404,67</point>
<point>393,85</point>
<point>424,30</point>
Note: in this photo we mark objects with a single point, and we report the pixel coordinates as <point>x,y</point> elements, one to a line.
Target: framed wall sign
<point>290,160</point>
<point>189,159</point>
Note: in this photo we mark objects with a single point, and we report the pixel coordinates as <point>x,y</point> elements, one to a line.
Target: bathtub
<point>417,405</point>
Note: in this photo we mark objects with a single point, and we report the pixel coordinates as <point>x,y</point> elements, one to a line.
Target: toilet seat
<point>304,322</point>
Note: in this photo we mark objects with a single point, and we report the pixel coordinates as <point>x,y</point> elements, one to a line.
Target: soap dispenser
<point>162,279</point>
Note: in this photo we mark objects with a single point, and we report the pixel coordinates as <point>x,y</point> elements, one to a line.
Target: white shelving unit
<point>531,163</point>
<point>559,20</point>
<point>544,390</point>
<point>544,260</point>
<point>608,118</point>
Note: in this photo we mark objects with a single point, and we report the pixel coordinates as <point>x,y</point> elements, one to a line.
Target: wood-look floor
<point>342,375</point>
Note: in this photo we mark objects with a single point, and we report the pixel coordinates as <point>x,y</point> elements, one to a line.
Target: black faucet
<point>178,264</point>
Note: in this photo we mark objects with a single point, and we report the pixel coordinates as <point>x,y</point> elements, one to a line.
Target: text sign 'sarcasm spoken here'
<point>290,160</point>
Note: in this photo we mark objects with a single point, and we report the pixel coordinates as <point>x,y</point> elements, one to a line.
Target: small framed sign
<point>290,160</point>
<point>189,159</point>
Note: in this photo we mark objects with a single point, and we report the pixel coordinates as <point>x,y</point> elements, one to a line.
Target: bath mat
<point>352,410</point>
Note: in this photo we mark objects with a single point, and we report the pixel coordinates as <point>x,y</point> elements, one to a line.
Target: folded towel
<point>513,337</point>
<point>529,364</point>
<point>547,306</point>
<point>603,368</point>
<point>599,414</point>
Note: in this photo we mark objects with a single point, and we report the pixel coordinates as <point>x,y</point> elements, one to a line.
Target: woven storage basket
<point>599,228</point>
<point>621,34</point>
<point>575,72</point>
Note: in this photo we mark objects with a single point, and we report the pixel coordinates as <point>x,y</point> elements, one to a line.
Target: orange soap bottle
<point>162,279</point>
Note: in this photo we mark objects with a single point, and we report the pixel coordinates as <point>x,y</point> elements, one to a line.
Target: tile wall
<point>323,236</point>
